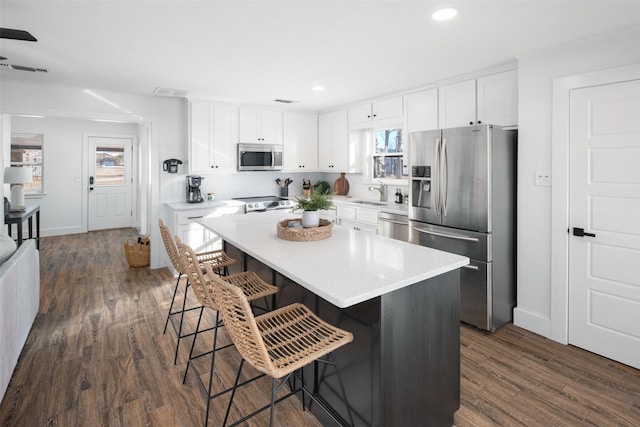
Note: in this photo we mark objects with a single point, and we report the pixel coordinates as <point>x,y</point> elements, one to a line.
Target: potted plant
<point>311,205</point>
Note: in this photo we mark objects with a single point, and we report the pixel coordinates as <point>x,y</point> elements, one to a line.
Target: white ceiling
<point>255,52</point>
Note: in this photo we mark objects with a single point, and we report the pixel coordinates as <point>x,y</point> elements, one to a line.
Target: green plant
<point>322,187</point>
<point>314,202</point>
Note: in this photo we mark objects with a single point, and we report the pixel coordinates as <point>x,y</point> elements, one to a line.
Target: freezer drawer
<point>475,294</point>
<point>461,242</point>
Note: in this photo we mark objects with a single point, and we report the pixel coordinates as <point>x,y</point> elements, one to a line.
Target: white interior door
<point>110,182</point>
<point>604,264</point>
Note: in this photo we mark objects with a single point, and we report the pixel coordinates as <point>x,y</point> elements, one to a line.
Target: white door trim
<point>85,173</point>
<point>559,316</point>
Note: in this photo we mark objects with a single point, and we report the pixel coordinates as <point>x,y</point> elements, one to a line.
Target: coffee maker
<point>193,189</point>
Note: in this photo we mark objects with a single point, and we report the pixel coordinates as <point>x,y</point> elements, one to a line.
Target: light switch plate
<point>542,178</point>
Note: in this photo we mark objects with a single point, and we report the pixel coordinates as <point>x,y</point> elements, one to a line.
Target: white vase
<point>310,219</point>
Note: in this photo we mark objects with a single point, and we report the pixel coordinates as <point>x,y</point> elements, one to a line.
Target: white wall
<point>61,207</point>
<point>536,75</point>
<point>164,116</point>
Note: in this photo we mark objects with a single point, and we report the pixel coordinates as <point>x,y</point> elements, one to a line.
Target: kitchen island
<point>401,301</point>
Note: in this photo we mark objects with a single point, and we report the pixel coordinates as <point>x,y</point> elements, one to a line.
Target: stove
<point>265,203</point>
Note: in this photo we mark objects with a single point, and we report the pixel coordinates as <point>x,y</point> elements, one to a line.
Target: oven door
<point>259,157</point>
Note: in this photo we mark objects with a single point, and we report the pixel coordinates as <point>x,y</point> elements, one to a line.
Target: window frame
<point>28,190</point>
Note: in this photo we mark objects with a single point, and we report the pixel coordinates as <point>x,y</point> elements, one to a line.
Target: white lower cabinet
<point>357,218</point>
<point>182,223</point>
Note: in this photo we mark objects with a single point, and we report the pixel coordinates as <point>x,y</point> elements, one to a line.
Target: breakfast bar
<point>401,302</point>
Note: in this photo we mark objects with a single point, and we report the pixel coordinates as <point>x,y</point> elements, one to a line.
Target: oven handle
<point>471,267</point>
<point>450,236</point>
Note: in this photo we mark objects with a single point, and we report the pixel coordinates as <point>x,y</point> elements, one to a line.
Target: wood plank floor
<point>97,356</point>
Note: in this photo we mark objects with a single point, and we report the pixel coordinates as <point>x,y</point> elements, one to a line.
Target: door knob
<point>580,233</point>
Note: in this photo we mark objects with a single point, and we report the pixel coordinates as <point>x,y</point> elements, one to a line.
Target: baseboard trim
<point>532,322</point>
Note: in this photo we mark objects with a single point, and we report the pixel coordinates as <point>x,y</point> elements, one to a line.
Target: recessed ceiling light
<point>444,14</point>
<point>317,88</point>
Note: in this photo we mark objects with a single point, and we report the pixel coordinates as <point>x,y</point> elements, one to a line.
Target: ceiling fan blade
<point>8,33</point>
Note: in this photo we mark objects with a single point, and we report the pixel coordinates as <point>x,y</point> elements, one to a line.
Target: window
<point>388,157</point>
<point>27,150</point>
<point>110,165</point>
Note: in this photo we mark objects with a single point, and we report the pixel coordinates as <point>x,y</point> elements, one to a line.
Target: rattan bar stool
<point>248,283</point>
<point>278,344</point>
<point>219,262</point>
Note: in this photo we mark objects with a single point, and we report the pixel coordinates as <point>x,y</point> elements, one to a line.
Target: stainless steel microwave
<point>259,157</point>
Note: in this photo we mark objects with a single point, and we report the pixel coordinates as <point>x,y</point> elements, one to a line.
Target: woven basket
<point>137,253</point>
<point>304,234</point>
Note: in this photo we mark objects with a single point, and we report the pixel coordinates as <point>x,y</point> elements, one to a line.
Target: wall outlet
<point>542,178</point>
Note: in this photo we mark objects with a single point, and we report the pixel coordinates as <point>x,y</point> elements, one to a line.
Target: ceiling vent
<point>24,68</point>
<point>284,101</point>
<point>170,92</point>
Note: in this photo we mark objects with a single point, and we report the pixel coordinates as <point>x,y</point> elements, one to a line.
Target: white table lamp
<point>16,176</point>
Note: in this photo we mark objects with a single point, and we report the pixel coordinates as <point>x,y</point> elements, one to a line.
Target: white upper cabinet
<point>457,104</point>
<point>491,100</point>
<point>300,142</point>
<point>260,126</point>
<point>498,99</point>
<point>422,110</point>
<point>213,132</point>
<point>378,110</point>
<point>336,153</point>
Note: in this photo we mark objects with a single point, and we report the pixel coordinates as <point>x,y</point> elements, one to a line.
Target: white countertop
<point>180,206</point>
<point>348,268</point>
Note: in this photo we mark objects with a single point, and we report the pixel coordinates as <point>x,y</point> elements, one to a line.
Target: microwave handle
<point>273,158</point>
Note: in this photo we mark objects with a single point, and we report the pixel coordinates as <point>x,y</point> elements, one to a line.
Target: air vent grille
<point>25,68</point>
<point>284,101</point>
<point>170,92</point>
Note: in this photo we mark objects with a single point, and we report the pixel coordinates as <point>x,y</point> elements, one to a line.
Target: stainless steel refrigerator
<point>462,200</point>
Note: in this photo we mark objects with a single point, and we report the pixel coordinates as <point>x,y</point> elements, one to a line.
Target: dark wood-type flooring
<point>97,356</point>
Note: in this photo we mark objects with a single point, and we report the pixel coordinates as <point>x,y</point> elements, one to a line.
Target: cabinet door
<point>249,126</point>
<point>360,114</point>
<point>388,108</point>
<point>422,110</point>
<point>457,104</point>
<point>270,127</point>
<point>223,148</point>
<point>497,102</point>
<point>325,143</point>
<point>300,142</point>
<point>200,124</point>
<point>340,153</point>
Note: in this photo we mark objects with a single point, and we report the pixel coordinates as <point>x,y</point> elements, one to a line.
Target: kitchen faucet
<point>383,191</point>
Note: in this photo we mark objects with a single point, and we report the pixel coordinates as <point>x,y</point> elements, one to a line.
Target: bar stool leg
<point>193,344</point>
<point>233,393</point>
<point>175,291</point>
<point>184,303</point>
<point>213,358</point>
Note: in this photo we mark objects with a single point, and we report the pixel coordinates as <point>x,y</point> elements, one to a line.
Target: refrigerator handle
<point>435,187</point>
<point>445,177</point>
<point>450,236</point>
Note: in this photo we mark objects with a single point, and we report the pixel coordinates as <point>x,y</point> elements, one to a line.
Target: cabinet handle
<point>479,122</point>
<point>375,115</point>
<point>471,123</point>
<point>368,117</point>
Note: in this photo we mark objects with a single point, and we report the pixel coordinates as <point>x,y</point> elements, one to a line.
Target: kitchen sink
<point>365,202</point>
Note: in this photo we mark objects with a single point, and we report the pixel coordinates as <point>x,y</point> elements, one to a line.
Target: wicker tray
<point>304,234</point>
<point>137,253</point>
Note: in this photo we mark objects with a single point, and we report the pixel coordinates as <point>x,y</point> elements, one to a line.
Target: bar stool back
<point>278,343</point>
